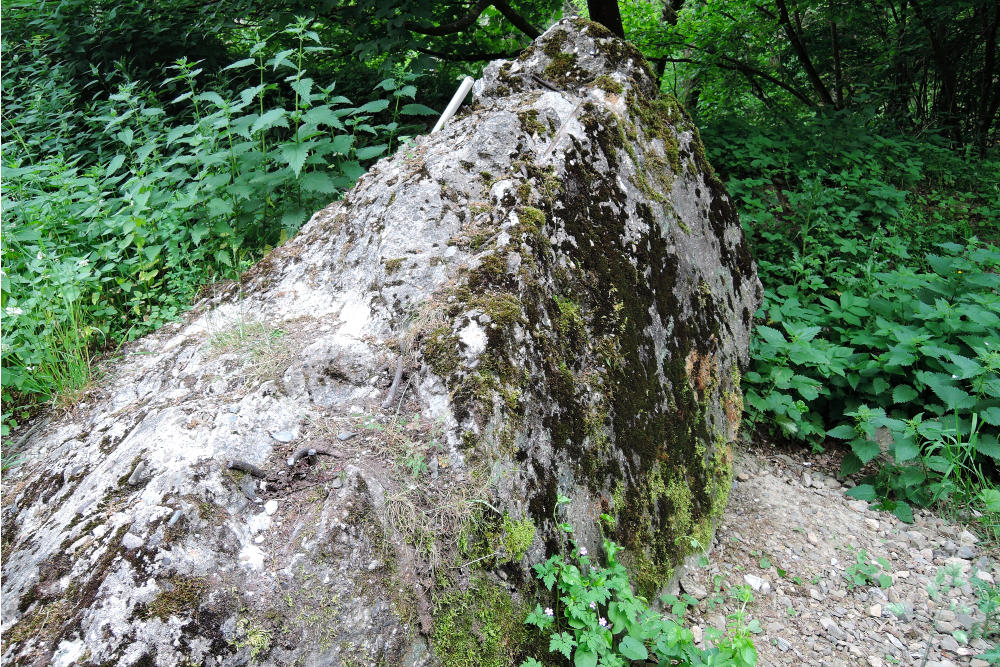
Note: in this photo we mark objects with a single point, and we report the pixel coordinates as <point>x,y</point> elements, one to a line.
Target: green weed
<point>596,618</point>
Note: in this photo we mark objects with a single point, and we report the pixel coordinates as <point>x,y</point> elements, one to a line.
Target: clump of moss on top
<point>554,44</point>
<point>562,69</point>
<point>393,265</point>
<point>607,84</point>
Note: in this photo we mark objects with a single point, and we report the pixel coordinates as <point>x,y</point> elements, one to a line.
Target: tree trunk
<point>606,13</point>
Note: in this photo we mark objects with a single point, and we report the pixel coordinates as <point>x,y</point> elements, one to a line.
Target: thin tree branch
<point>475,56</point>
<point>466,21</point>
<point>736,66</point>
<point>457,25</point>
<point>519,21</point>
<point>800,51</point>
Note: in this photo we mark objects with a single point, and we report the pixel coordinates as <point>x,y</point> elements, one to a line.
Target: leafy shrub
<point>597,619</point>
<point>876,325</point>
<point>114,239</point>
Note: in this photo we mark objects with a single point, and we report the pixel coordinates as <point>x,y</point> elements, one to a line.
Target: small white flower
<point>549,612</point>
<point>954,377</point>
<point>82,262</point>
<point>13,310</point>
<point>39,255</point>
<point>603,622</point>
<point>593,605</point>
<point>583,551</point>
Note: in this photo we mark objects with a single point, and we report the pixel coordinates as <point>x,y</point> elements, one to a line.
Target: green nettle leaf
<point>218,207</point>
<point>990,499</point>
<point>772,336</point>
<point>317,181</point>
<point>632,648</point>
<point>303,87</point>
<point>222,257</point>
<point>198,232</point>
<point>372,107</point>
<point>911,476</point>
<point>956,399</point>
<point>866,450</point>
<point>270,118</point>
<point>294,155</point>
<point>417,110</point>
<point>323,115</point>
<point>987,444</point>
<point>341,144</point>
<point>905,514</point>
<point>114,165</point>
<point>990,415</point>
<point>904,448</point>
<point>239,63</point>
<point>369,152</point>
<point>863,492</point>
<point>903,393</point>
<point>842,432</point>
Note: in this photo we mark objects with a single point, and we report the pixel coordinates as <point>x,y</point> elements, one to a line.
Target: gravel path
<point>792,535</point>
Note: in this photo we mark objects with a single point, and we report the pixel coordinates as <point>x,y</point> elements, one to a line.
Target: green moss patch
<point>180,595</point>
<point>478,627</point>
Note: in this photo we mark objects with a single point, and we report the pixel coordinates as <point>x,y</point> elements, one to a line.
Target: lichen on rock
<point>567,285</point>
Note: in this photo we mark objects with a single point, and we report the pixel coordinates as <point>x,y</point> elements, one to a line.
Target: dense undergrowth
<point>118,208</point>
<point>881,317</point>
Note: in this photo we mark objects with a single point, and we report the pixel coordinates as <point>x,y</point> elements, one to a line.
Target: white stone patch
<point>474,338</point>
<point>262,521</point>
<point>253,557</point>
<point>68,653</point>
<point>270,507</point>
<point>354,315</point>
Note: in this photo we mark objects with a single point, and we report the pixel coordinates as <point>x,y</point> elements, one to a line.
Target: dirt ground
<point>812,557</point>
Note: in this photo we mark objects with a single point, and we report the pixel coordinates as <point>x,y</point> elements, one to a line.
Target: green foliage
<point>113,219</point>
<point>882,61</point>
<point>595,617</point>
<point>987,600</point>
<point>876,325</point>
<point>864,572</point>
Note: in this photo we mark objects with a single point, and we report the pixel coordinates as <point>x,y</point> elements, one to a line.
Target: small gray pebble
<point>175,518</point>
<point>283,436</point>
<point>966,552</point>
<point>336,483</point>
<point>346,435</point>
<point>248,487</point>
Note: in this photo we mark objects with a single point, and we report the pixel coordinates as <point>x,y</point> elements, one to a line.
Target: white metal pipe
<point>456,101</point>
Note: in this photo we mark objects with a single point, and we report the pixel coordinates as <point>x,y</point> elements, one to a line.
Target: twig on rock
<point>395,383</point>
<point>304,452</point>
<point>248,468</point>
